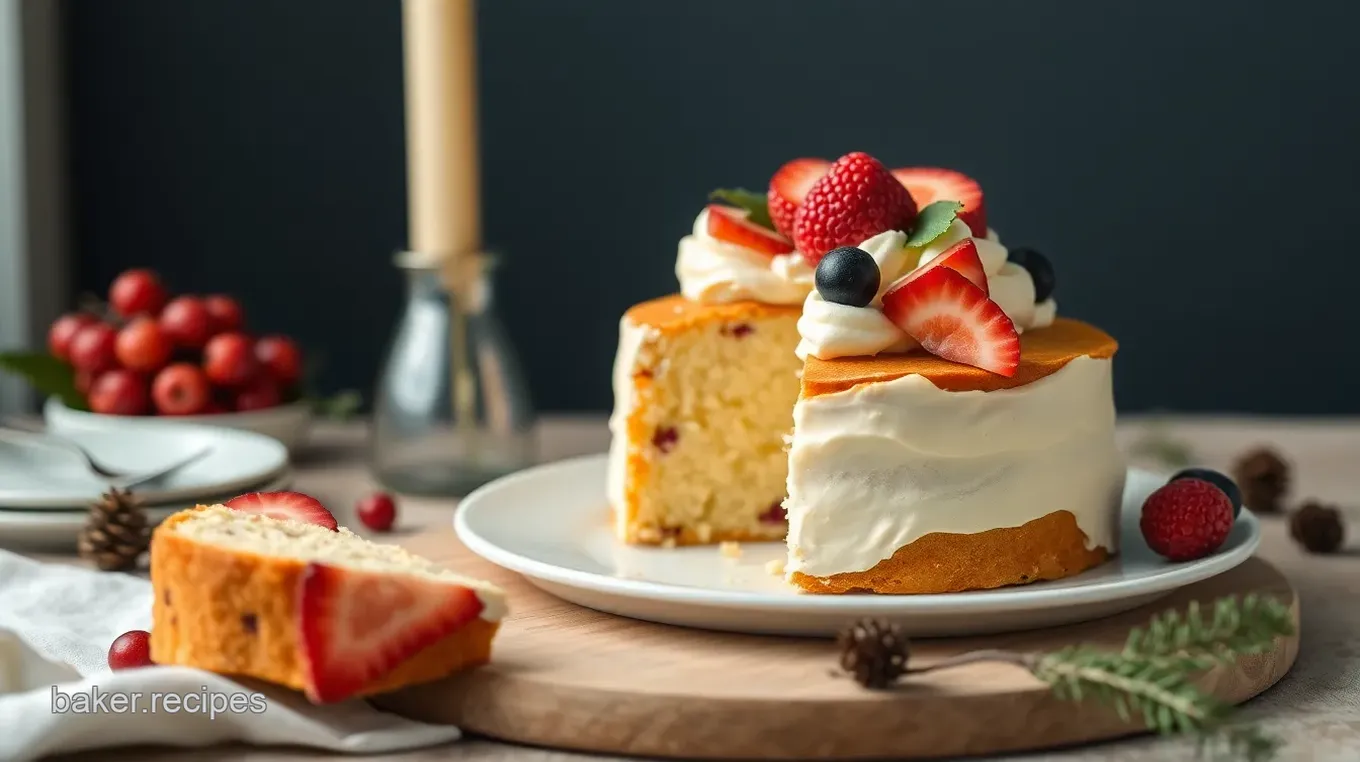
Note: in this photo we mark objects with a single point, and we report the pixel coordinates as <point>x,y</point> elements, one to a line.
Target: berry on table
<point>131,650</point>
<point>1186,519</point>
<point>788,188</point>
<point>1217,479</point>
<point>181,389</point>
<point>849,276</point>
<point>225,313</point>
<point>137,292</point>
<point>94,348</point>
<point>185,320</point>
<point>142,346</point>
<point>1039,268</point>
<point>119,392</point>
<point>229,359</point>
<point>63,330</point>
<point>855,200</point>
<point>377,511</point>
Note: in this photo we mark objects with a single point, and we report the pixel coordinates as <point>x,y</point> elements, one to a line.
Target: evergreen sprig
<point>1153,676</point>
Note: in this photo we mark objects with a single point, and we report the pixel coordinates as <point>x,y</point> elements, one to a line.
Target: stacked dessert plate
<point>551,525</point>
<point>46,488</point>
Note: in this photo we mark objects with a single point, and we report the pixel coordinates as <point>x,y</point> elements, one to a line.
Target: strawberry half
<point>930,184</point>
<point>284,505</point>
<point>788,188</point>
<point>356,626</point>
<point>856,199</point>
<point>962,257</point>
<point>728,223</point>
<point>954,319</point>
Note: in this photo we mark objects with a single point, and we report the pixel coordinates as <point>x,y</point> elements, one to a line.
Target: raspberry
<point>1186,519</point>
<point>857,199</point>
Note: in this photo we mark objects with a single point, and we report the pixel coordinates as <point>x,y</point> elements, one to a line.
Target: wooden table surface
<point>1315,709</point>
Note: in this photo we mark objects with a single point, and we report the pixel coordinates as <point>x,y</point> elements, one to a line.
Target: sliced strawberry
<point>356,626</point>
<point>728,223</point>
<point>284,505</point>
<point>855,200</point>
<point>962,256</point>
<point>931,184</point>
<point>953,319</point>
<point>788,188</point>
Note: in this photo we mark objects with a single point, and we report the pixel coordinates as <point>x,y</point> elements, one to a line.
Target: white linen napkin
<point>57,693</point>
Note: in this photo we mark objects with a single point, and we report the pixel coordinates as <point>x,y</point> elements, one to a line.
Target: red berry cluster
<point>183,356</point>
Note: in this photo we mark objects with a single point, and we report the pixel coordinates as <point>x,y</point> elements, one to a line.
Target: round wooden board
<point>567,677</point>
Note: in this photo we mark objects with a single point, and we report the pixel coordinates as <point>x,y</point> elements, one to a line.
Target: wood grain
<point>571,678</point>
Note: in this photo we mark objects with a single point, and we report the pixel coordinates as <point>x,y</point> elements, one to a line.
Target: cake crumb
<point>730,549</point>
<point>775,567</point>
<point>705,532</point>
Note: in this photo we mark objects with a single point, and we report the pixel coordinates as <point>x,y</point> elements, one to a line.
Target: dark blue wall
<point>1190,167</point>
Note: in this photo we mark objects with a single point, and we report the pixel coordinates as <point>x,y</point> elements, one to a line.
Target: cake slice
<point>312,607</point>
<point>703,399</point>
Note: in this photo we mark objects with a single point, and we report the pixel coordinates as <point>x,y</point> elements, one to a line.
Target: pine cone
<point>1264,478</point>
<point>115,533</point>
<point>874,652</point>
<point>1317,527</point>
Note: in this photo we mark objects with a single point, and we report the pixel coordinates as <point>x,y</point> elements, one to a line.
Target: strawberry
<point>963,257</point>
<point>954,319</point>
<point>788,188</point>
<point>855,200</point>
<point>930,184</point>
<point>356,626</point>
<point>728,223</point>
<point>294,506</point>
<point>1186,519</point>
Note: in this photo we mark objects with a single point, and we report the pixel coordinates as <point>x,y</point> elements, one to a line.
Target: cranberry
<point>181,389</point>
<point>137,292</point>
<point>281,359</point>
<point>665,438</point>
<point>229,359</point>
<point>185,320</point>
<point>775,514</point>
<point>142,346</point>
<point>63,330</point>
<point>377,511</point>
<point>737,331</point>
<point>131,650</point>
<point>94,348</point>
<point>119,392</point>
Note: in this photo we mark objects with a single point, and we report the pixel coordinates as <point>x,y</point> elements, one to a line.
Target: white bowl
<point>289,424</point>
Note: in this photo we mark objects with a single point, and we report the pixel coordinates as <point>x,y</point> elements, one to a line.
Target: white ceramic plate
<point>36,474</point>
<point>550,523</point>
<point>57,529</point>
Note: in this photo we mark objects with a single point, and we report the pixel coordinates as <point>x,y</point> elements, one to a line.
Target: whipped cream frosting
<point>876,467</point>
<point>714,271</point>
<point>832,330</point>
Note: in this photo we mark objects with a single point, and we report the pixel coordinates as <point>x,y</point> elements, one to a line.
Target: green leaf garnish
<point>755,203</point>
<point>340,407</point>
<point>932,221</point>
<point>47,375</point>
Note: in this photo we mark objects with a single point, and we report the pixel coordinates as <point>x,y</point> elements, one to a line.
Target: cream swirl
<point>832,330</point>
<point>714,271</point>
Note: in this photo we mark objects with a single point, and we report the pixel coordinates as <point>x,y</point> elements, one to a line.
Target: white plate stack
<point>46,488</point>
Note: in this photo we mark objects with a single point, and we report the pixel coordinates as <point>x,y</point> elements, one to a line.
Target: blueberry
<point>1228,486</point>
<point>848,276</point>
<point>1040,271</point>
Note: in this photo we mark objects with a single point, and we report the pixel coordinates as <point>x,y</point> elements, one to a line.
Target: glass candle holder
<point>452,409</point>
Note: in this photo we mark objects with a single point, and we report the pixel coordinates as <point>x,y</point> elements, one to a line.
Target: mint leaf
<point>753,202</point>
<point>47,375</point>
<point>932,221</point>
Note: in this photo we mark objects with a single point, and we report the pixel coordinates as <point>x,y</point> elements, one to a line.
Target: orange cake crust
<point>1049,547</point>
<point>1042,352</point>
<point>208,600</point>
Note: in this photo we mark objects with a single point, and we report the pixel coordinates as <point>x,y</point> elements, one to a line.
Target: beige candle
<point>443,178</point>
